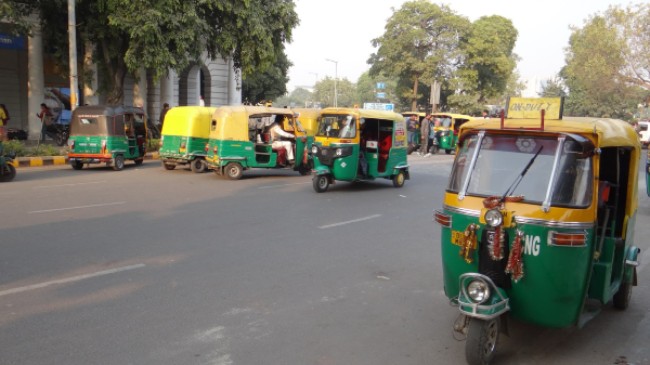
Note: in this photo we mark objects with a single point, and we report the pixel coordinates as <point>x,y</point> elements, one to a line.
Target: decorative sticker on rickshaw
<point>400,135</point>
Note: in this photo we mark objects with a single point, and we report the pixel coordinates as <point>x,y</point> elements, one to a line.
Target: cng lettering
<point>532,245</point>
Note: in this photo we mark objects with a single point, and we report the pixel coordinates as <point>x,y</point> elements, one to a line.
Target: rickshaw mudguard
<point>497,303</point>
<point>322,170</point>
<point>402,167</point>
<point>631,262</point>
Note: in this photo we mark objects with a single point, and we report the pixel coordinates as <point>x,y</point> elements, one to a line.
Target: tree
<point>324,92</point>
<point>421,43</point>
<point>553,88</point>
<point>299,97</point>
<point>157,35</point>
<point>633,27</point>
<point>594,61</point>
<point>268,84</point>
<point>367,90</point>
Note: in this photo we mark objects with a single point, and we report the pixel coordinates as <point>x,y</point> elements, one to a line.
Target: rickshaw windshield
<point>336,125</point>
<point>560,175</point>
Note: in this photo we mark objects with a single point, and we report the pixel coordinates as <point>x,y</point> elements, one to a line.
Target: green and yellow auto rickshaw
<point>241,139</point>
<point>447,134</point>
<point>107,134</point>
<point>307,118</point>
<point>415,145</point>
<point>538,221</point>
<point>186,131</point>
<point>359,145</point>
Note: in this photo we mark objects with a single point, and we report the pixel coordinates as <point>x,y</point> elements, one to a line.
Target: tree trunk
<point>116,95</point>
<point>414,101</point>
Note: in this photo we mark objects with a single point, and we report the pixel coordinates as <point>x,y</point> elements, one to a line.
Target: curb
<point>60,160</point>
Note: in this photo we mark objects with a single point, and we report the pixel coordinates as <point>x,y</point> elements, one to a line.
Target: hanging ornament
<point>496,244</point>
<point>515,266</point>
<point>469,243</point>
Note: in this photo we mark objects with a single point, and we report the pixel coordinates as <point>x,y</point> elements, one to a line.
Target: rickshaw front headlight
<point>314,150</point>
<point>339,152</point>
<point>493,218</point>
<point>478,291</point>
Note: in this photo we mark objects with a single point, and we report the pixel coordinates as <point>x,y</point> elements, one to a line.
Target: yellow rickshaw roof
<point>611,132</point>
<point>247,110</point>
<point>365,113</point>
<point>453,115</point>
<point>188,120</point>
<point>307,112</point>
<point>419,114</point>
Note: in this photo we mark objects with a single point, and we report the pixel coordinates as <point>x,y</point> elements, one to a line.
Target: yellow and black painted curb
<point>60,160</point>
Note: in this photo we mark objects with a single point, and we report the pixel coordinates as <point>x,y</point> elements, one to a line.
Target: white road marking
<point>63,185</point>
<point>77,207</point>
<point>70,279</point>
<point>279,186</point>
<point>352,221</point>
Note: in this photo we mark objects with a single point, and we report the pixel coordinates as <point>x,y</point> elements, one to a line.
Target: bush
<point>153,145</point>
<point>31,151</point>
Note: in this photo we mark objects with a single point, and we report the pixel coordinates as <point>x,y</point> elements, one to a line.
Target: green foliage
<point>345,90</point>
<point>301,98</point>
<point>268,84</point>
<point>157,35</point>
<point>153,144</point>
<point>22,150</point>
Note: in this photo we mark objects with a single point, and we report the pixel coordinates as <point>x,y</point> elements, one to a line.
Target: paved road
<point>147,266</point>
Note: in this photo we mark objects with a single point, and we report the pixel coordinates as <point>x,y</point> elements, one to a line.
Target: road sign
<point>379,106</point>
<point>381,95</point>
<point>381,85</point>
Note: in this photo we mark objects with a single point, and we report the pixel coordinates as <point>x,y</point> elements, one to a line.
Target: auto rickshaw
<point>7,165</point>
<point>420,116</point>
<point>240,140</point>
<point>447,134</point>
<point>108,134</point>
<point>186,131</point>
<point>359,145</point>
<point>538,221</point>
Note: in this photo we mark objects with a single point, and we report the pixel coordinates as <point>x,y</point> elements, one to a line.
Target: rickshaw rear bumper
<point>493,305</point>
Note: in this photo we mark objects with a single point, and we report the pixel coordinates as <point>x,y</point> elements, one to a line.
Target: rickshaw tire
<point>320,183</point>
<point>77,165</point>
<point>623,296</point>
<point>234,171</point>
<point>304,170</point>
<point>198,165</point>
<point>138,161</point>
<point>169,166</point>
<point>448,151</point>
<point>482,339</point>
<point>9,174</point>
<point>118,163</point>
<point>398,180</point>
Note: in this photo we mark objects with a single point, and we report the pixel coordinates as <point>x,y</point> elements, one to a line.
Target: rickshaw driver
<point>276,132</point>
<point>348,129</point>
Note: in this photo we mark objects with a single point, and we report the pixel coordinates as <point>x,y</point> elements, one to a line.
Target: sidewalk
<point>60,160</point>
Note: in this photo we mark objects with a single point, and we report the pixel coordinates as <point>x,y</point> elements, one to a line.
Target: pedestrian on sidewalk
<point>4,120</point>
<point>46,117</point>
<point>424,134</point>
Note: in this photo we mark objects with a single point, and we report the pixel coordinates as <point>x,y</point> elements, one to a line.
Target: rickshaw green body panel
<point>249,154</point>
<point>552,297</point>
<point>185,133</point>
<point>647,173</point>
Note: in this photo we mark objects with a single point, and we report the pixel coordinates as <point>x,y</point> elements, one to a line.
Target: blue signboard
<point>381,85</point>
<point>381,95</point>
<point>11,42</point>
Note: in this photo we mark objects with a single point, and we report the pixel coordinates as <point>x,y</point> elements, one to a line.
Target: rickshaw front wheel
<point>234,171</point>
<point>321,183</point>
<point>198,165</point>
<point>398,180</point>
<point>118,163</point>
<point>482,337</point>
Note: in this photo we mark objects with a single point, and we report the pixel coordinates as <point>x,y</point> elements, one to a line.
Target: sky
<point>342,30</point>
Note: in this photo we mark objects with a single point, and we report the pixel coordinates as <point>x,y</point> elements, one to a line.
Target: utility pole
<point>72,44</point>
<point>336,77</point>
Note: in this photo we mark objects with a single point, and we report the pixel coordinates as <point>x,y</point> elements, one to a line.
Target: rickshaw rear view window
<point>559,173</point>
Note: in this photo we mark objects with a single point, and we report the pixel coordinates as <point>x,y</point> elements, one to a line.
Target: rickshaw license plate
<point>457,238</point>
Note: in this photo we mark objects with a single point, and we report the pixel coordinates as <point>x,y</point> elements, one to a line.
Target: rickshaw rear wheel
<point>623,296</point>
<point>169,166</point>
<point>448,151</point>
<point>118,163</point>
<point>398,180</point>
<point>482,338</point>
<point>138,161</point>
<point>8,173</point>
<point>321,183</point>
<point>77,165</point>
<point>304,170</point>
<point>234,171</point>
<point>198,165</point>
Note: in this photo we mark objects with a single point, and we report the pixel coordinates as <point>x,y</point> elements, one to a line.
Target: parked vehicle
<point>240,139</point>
<point>185,133</point>
<point>417,144</point>
<point>58,132</point>
<point>107,134</point>
<point>7,164</point>
<point>538,222</point>
<point>358,144</point>
<point>448,132</point>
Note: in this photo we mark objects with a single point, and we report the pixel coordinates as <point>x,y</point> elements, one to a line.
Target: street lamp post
<point>336,76</point>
